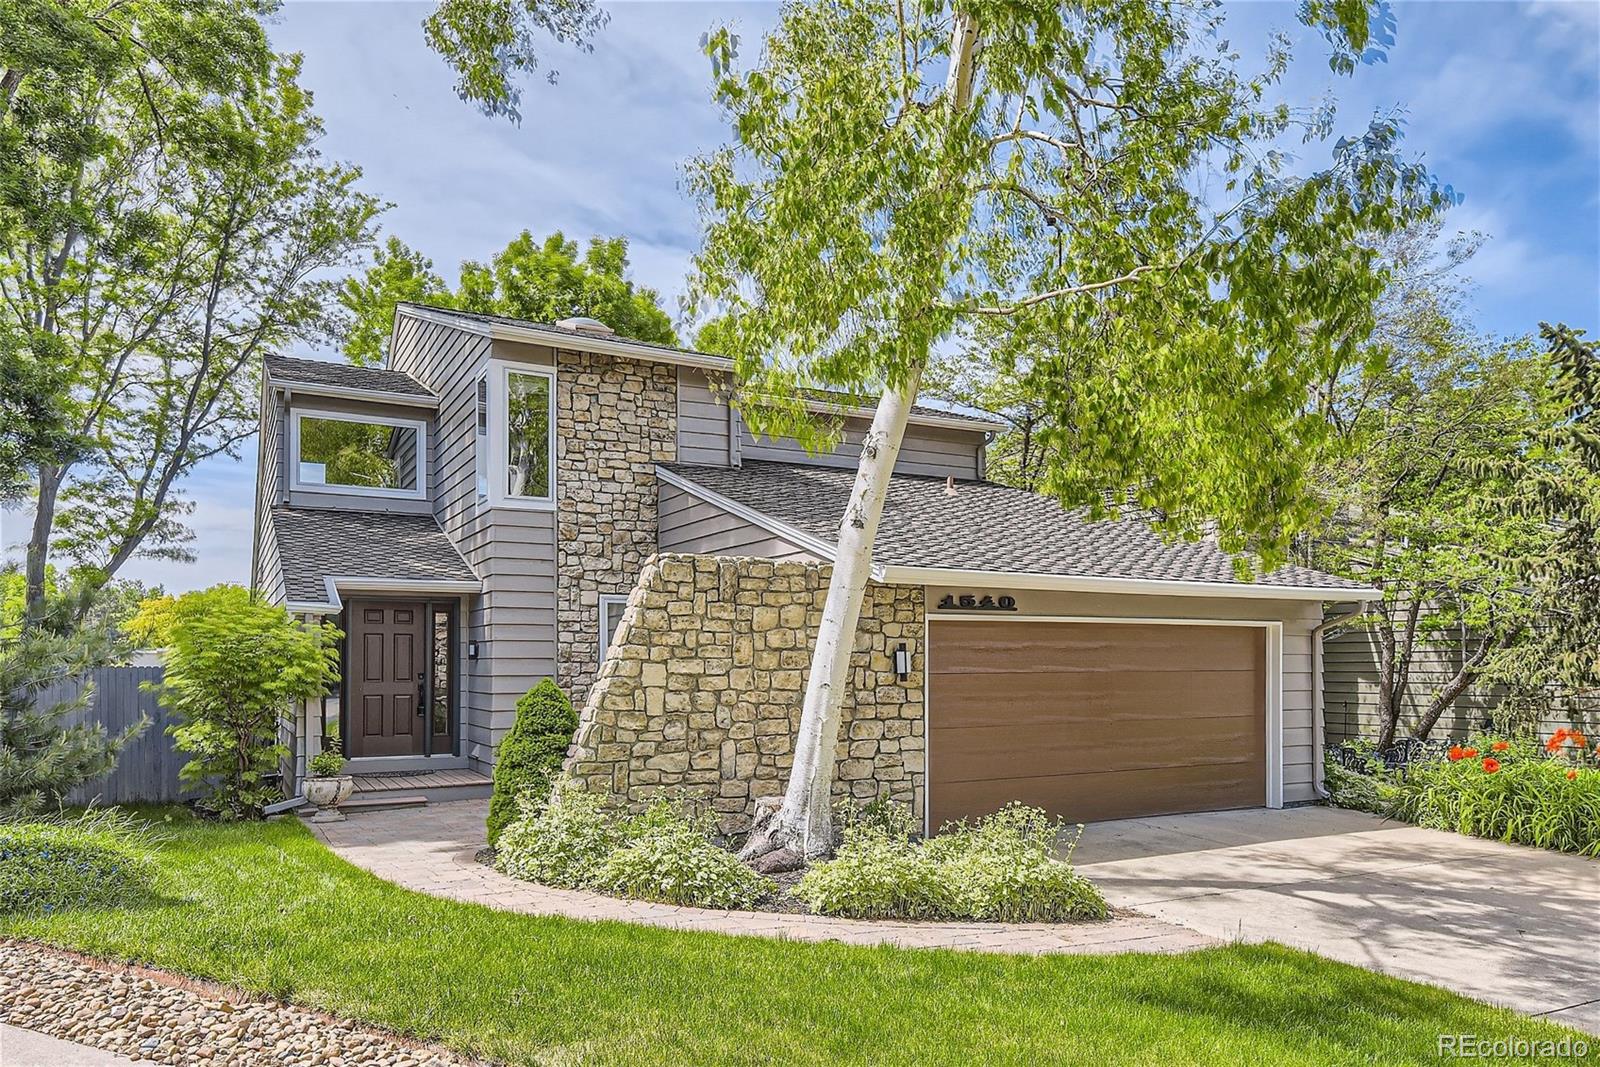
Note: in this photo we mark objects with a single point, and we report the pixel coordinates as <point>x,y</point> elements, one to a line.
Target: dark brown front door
<point>1095,720</point>
<point>387,672</point>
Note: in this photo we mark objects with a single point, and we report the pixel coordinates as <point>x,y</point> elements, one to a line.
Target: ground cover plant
<point>1004,868</point>
<point>91,860</point>
<point>532,989</point>
<point>1544,794</point>
<point>573,841</point>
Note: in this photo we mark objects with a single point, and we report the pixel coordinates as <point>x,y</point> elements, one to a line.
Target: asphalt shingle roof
<point>984,526</point>
<point>343,375</point>
<point>314,543</point>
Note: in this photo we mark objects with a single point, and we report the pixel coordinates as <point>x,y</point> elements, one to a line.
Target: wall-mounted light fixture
<point>472,650</point>
<point>902,661</point>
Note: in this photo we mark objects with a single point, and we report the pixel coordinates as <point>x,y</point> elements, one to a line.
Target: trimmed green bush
<point>1003,869</point>
<point>561,842</point>
<point>530,756</point>
<point>51,867</point>
<point>668,856</point>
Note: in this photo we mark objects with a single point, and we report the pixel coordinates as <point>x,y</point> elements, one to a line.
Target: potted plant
<point>327,786</point>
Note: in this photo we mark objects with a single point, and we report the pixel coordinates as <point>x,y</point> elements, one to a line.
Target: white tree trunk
<point>804,824</point>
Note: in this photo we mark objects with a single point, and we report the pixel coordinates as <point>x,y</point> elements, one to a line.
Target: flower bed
<point>1545,795</point>
<point>1003,869</point>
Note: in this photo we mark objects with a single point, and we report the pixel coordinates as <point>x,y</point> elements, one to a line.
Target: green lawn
<point>268,908</point>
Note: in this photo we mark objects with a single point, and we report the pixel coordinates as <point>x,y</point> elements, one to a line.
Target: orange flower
<point>1557,739</point>
<point>1456,752</point>
<point>1500,746</point>
<point>1469,753</point>
<point>1572,774</point>
<point>1490,765</point>
<point>1578,740</point>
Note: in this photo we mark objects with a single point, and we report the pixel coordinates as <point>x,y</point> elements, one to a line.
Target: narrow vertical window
<point>528,444</point>
<point>481,440</point>
<point>439,705</point>
<point>611,609</point>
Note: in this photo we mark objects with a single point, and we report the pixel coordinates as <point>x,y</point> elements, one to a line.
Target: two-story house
<point>476,515</point>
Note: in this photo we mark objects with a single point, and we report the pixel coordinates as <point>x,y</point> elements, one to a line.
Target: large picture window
<point>334,452</point>
<point>522,446</point>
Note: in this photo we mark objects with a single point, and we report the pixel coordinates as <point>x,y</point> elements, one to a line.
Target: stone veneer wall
<point>702,688</point>
<point>616,419</point>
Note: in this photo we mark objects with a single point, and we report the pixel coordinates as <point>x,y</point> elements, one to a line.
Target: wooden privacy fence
<point>147,771</point>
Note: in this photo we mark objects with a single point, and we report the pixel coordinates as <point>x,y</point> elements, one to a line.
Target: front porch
<point>384,790</point>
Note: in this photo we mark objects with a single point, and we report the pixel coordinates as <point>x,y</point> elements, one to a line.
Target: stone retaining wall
<point>701,690</point>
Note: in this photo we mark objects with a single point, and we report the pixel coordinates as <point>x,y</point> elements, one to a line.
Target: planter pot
<point>327,794</point>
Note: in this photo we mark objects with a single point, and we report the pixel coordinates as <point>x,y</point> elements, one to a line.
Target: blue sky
<point>1501,99</point>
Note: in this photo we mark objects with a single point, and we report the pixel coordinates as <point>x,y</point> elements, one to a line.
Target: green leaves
<point>1109,225</point>
<point>544,281</point>
<point>233,666</point>
<point>491,44</point>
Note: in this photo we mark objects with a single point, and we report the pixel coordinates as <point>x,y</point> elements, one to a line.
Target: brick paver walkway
<point>431,850</point>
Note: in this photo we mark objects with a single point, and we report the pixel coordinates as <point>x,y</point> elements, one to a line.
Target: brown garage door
<point>1094,720</point>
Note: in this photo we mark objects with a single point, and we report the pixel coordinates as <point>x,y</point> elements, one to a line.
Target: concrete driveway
<point>1502,923</point>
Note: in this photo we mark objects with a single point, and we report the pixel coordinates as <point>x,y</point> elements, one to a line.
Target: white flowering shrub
<point>1003,869</point>
<point>669,856</point>
<point>561,842</point>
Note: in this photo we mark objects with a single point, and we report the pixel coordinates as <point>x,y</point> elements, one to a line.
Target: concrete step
<point>377,802</point>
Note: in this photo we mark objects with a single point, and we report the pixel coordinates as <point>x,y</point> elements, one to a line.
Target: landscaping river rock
<point>162,1019</point>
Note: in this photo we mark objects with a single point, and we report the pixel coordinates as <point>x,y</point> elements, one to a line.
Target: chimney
<point>584,324</point>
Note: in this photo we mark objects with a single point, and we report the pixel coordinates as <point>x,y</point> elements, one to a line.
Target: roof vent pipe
<point>950,486</point>
<point>583,324</point>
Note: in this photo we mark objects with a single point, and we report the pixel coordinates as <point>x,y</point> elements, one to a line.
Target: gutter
<point>1319,697</point>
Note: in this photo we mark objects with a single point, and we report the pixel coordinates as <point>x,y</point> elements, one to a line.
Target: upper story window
<point>480,441</point>
<point>366,455</point>
<point>521,439</point>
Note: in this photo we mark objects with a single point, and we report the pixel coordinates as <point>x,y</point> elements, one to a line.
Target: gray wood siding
<point>711,434</point>
<point>513,551</point>
<point>1350,689</point>
<point>267,567</point>
<point>704,422</point>
<point>689,524</point>
<point>929,450</point>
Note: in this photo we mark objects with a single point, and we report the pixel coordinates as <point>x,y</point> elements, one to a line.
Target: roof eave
<point>504,331</point>
<point>1076,583</point>
<point>346,392</point>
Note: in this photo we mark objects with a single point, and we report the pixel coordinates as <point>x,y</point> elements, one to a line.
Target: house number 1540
<point>972,602</point>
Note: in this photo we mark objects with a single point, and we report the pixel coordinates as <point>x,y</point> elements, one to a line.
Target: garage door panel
<point>1104,794</point>
<point>972,753</point>
<point>1136,699</point>
<point>988,647</point>
<point>1095,720</point>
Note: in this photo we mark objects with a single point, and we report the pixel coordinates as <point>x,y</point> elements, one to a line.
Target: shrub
<point>1508,796</point>
<point>669,856</point>
<point>1003,869</point>
<point>233,665</point>
<point>330,761</point>
<point>572,841</point>
<point>51,867</point>
<point>561,842</point>
<point>41,760</point>
<point>530,756</point>
<point>1360,792</point>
